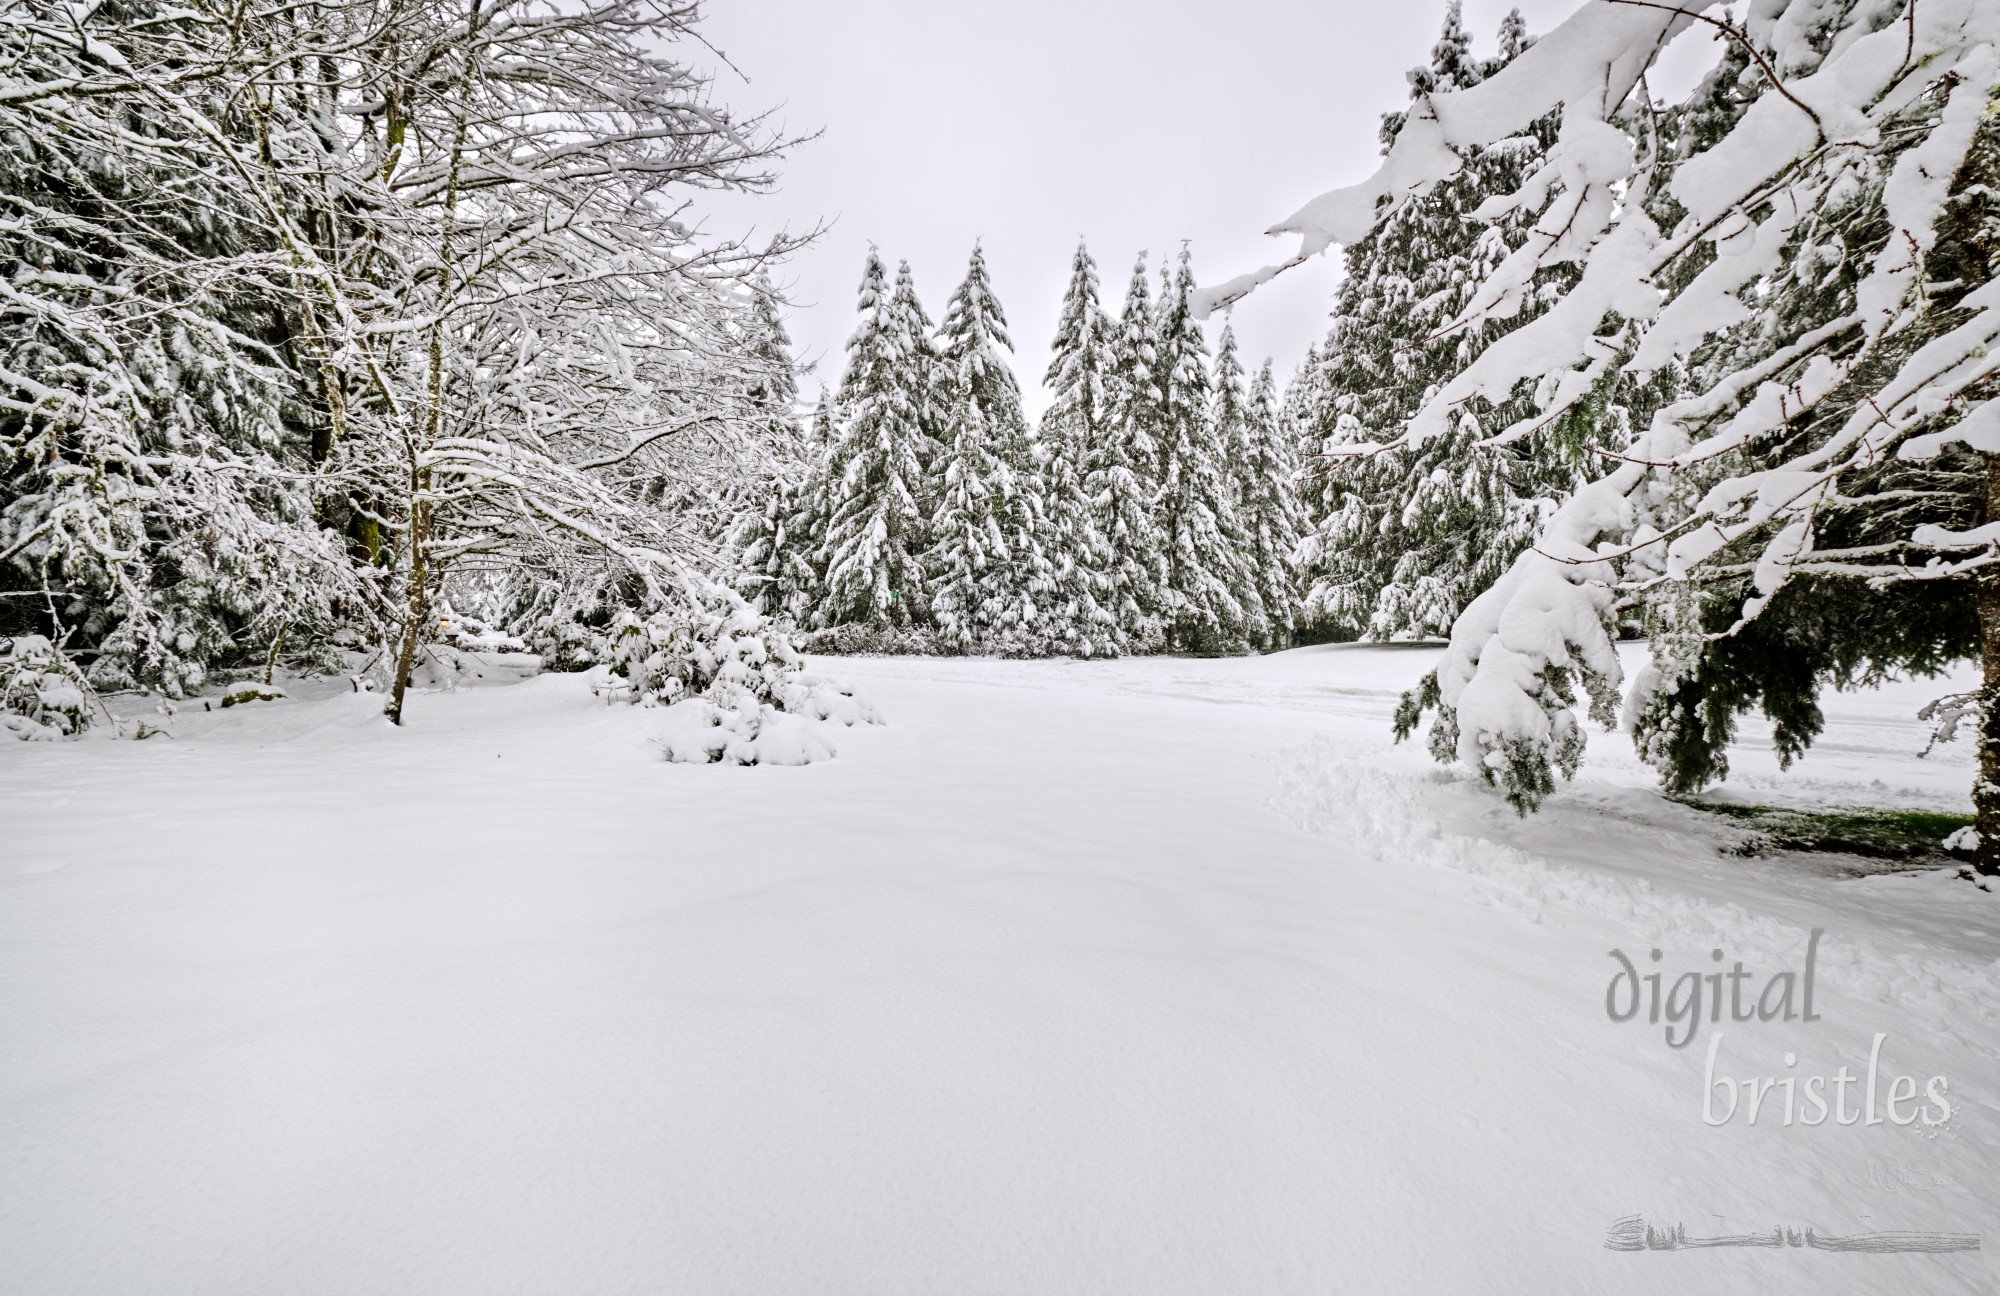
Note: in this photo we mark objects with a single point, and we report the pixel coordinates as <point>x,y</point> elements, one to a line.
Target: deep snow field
<point>1154,976</point>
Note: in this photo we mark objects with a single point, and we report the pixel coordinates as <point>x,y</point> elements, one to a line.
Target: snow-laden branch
<point>1892,94</point>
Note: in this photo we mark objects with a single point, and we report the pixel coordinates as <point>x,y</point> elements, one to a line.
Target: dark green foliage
<point>1817,633</point>
<point>1882,834</point>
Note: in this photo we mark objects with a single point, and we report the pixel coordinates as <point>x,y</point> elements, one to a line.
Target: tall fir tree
<point>876,531</point>
<point>763,545</point>
<point>919,372</point>
<point>1403,540</point>
<point>796,565</point>
<point>774,383</point>
<point>1298,413</point>
<point>1269,511</point>
<point>1205,583</point>
<point>1121,474</point>
<point>1229,408</point>
<point>1236,443</point>
<point>761,533</point>
<point>988,566</point>
<point>1075,423</point>
<point>969,566</point>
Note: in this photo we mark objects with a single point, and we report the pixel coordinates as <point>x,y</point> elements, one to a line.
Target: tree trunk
<point>419,607</point>
<point>1986,793</point>
<point>277,646</point>
<point>433,427</point>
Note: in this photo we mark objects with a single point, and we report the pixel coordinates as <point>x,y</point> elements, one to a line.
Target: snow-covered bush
<point>736,687</point>
<point>815,697</point>
<point>738,730</point>
<point>566,644</point>
<point>712,637</point>
<point>42,696</point>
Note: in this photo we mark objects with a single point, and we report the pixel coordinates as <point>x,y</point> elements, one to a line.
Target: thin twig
<point>1750,49</point>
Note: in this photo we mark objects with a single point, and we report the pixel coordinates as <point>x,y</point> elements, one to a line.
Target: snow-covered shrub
<point>714,637</point>
<point>566,644</point>
<point>42,697</point>
<point>816,697</point>
<point>735,686</point>
<point>738,730</point>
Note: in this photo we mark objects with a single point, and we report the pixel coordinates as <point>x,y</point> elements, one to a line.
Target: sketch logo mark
<point>1632,1233</point>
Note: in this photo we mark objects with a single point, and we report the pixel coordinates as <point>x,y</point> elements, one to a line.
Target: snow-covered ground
<point>1151,976</point>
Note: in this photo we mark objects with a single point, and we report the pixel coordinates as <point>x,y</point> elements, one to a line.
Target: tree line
<point>1151,507</point>
<point>1144,514</point>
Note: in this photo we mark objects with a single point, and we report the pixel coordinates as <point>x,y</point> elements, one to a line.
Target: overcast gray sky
<point>1027,124</point>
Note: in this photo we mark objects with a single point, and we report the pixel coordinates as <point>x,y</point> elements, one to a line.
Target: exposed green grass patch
<point>1881,834</point>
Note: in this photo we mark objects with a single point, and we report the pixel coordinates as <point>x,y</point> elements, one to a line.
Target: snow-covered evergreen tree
<point>801,565</point>
<point>1404,538</point>
<point>1240,441</point>
<point>1819,260</point>
<point>992,570</point>
<point>766,554</point>
<point>970,566</point>
<point>773,388</point>
<point>1121,474</point>
<point>1205,582</point>
<point>1299,413</point>
<point>973,356</point>
<point>1229,405</point>
<point>876,531</point>
<point>763,546</point>
<point>1077,419</point>
<point>1267,510</point>
<point>919,371</point>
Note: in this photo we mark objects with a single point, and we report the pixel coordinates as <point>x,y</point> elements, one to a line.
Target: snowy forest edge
<point>346,336</point>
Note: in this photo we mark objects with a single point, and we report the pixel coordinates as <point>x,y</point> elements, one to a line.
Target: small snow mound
<point>42,697</point>
<point>738,730</point>
<point>469,634</point>
<point>29,730</point>
<point>819,698</point>
<point>445,667</point>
